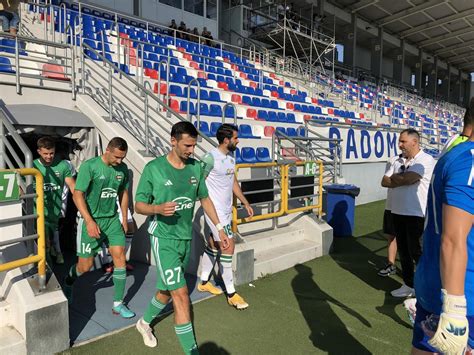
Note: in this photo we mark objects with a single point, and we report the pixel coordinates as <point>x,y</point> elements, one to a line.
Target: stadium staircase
<point>134,80</point>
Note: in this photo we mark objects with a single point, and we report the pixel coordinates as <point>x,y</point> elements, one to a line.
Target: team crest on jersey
<point>119,177</point>
<point>229,172</point>
<point>232,160</point>
<point>57,173</point>
<point>193,180</point>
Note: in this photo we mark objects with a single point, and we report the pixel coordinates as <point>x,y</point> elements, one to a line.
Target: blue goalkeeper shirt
<point>452,184</point>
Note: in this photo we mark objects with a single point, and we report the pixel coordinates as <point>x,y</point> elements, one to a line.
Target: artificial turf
<point>335,304</point>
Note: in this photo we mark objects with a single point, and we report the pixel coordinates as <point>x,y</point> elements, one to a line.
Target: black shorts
<point>388,226</point>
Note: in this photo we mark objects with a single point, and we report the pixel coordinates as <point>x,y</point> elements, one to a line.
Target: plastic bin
<point>340,205</point>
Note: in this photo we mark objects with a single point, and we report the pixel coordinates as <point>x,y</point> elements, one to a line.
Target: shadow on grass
<point>354,255</point>
<point>328,332</point>
<point>211,348</point>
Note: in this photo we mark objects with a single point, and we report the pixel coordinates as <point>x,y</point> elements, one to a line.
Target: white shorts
<point>225,220</point>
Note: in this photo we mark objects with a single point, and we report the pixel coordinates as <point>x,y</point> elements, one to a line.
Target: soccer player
<point>56,174</point>
<point>444,279</point>
<point>219,170</point>
<point>463,136</point>
<point>99,182</point>
<point>167,191</point>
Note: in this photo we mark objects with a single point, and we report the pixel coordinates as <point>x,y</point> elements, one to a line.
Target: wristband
<point>219,227</point>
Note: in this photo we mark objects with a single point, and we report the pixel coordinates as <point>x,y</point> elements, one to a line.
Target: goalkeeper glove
<point>453,328</point>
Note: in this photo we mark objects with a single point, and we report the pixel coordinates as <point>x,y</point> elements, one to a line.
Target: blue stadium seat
<point>229,112</point>
<point>245,131</point>
<point>248,155</point>
<point>290,118</point>
<point>5,66</point>
<point>272,116</point>
<point>238,157</point>
<point>183,107</point>
<point>214,96</point>
<point>214,127</point>
<point>280,130</point>
<point>291,132</point>
<point>262,115</point>
<point>215,110</point>
<point>203,127</point>
<point>263,155</point>
<point>176,90</point>
<point>281,117</point>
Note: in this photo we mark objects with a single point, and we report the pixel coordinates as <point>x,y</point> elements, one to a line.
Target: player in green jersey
<point>464,135</point>
<point>167,191</point>
<point>56,174</point>
<point>99,182</point>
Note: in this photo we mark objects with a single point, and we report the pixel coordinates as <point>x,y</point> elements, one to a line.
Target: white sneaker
<point>403,291</point>
<point>410,306</point>
<point>147,333</point>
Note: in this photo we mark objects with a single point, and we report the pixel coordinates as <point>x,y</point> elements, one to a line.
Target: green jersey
<point>101,184</point>
<point>54,177</point>
<point>161,182</point>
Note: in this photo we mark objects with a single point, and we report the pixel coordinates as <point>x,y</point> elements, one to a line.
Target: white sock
<point>57,245</point>
<point>225,262</point>
<point>207,263</point>
<point>117,303</point>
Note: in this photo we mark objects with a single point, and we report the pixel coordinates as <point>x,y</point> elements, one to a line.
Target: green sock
<point>154,308</point>
<point>185,335</point>
<point>73,275</point>
<point>119,277</point>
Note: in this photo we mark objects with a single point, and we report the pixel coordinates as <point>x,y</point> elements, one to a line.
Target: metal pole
<point>2,147</point>
<point>73,71</point>
<point>17,66</point>
<point>147,127</point>
<point>111,114</point>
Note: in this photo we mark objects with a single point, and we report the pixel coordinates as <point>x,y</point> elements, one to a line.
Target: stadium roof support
<point>411,11</point>
<point>445,37</point>
<point>437,23</point>
<point>363,4</point>
<point>455,47</point>
<point>309,47</point>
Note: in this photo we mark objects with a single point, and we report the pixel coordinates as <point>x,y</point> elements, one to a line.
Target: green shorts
<point>111,233</point>
<point>171,259</point>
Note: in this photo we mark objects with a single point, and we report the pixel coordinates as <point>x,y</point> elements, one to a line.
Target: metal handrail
<point>188,102</point>
<point>319,205</point>
<point>40,257</point>
<point>148,94</point>
<point>231,104</point>
<point>284,194</point>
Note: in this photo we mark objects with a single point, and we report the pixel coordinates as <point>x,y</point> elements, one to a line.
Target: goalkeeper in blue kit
<point>444,279</point>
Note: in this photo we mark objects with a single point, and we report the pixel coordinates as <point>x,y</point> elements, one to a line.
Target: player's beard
<point>231,147</point>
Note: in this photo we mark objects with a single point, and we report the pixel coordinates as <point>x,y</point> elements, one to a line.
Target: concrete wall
<point>367,176</point>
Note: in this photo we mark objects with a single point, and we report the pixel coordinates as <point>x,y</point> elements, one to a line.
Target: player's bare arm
<point>456,226</point>
<point>71,183</point>
<point>123,200</point>
<point>210,210</point>
<point>92,228</point>
<point>165,209</point>
<point>239,194</point>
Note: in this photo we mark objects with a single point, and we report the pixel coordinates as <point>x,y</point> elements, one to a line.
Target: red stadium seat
<point>194,65</point>
<point>290,106</point>
<point>268,131</point>
<point>243,75</point>
<point>330,111</point>
<point>314,100</point>
<point>253,84</point>
<point>54,71</point>
<point>236,98</point>
<point>163,90</point>
<point>174,104</point>
<point>202,75</point>
<point>223,85</point>
<point>251,113</point>
<point>274,94</point>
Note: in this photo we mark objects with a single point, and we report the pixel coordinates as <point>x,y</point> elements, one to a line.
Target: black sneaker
<point>387,270</point>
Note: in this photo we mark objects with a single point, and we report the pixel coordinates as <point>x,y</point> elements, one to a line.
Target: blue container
<point>340,205</point>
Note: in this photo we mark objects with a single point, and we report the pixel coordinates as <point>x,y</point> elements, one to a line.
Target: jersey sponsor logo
<point>57,173</point>
<point>119,177</point>
<point>49,187</point>
<point>102,177</point>
<point>108,193</point>
<point>183,203</point>
<point>193,180</point>
<point>229,172</point>
<point>168,183</point>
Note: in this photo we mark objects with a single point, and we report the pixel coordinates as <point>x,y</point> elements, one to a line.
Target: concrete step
<point>4,313</point>
<point>11,342</point>
<point>284,257</point>
<point>273,238</point>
